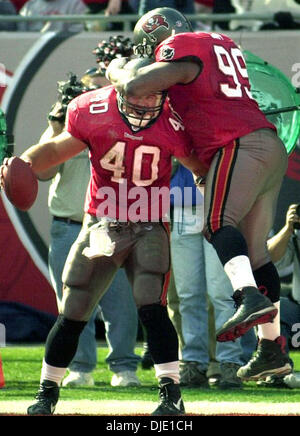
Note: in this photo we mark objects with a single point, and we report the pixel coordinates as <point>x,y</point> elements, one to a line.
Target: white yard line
<point>121,408</point>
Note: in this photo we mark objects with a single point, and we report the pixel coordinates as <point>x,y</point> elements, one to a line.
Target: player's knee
<point>62,341</point>
<point>152,314</point>
<point>77,274</point>
<point>147,289</point>
<point>145,299</point>
<point>268,281</point>
<point>77,303</point>
<point>228,243</point>
<point>69,325</point>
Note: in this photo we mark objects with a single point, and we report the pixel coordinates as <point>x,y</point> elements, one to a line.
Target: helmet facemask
<point>140,116</point>
<point>144,49</point>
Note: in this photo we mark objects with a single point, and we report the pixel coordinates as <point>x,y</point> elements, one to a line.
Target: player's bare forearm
<point>53,152</point>
<point>48,174</point>
<point>159,76</point>
<point>116,73</point>
<point>277,245</point>
<point>53,130</point>
<point>156,77</point>
<point>42,157</point>
<point>194,165</point>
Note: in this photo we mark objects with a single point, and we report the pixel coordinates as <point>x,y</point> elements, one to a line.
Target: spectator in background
<point>7,8</point>
<point>204,6</point>
<point>222,7</point>
<point>284,249</point>
<point>66,203</point>
<point>18,4</point>
<point>52,7</point>
<point>184,6</point>
<point>282,19</point>
<point>108,8</point>
<point>199,275</point>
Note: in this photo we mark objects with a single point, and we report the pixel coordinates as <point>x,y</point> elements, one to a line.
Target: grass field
<point>22,364</point>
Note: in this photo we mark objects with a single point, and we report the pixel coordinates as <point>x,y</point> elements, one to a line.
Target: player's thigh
<point>240,174</point>
<point>148,266</point>
<point>84,280</point>
<point>79,301</point>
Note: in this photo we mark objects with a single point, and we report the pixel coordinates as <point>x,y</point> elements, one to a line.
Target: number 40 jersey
<point>217,107</point>
<point>127,168</point>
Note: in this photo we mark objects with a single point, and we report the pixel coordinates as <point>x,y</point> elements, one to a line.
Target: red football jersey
<point>127,168</point>
<point>217,107</point>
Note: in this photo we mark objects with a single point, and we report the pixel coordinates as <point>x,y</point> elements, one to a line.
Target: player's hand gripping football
<point>18,182</point>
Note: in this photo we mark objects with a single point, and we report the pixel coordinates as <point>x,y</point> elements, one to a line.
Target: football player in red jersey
<point>131,142</point>
<point>207,82</point>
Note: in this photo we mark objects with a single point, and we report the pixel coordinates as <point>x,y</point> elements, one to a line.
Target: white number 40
<point>114,161</point>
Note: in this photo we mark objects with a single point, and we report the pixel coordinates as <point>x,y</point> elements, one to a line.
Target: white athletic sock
<point>239,272</point>
<point>169,369</point>
<point>52,373</point>
<point>270,330</point>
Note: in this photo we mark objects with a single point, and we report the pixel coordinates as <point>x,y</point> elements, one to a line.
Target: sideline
<point>124,408</point>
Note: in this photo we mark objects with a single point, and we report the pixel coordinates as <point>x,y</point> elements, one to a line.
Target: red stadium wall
<point>20,279</point>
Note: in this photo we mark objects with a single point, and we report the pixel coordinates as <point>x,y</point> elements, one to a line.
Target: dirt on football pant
<point>141,248</point>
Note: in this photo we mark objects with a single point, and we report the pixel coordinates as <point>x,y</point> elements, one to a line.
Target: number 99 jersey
<point>217,107</point>
<point>127,168</point>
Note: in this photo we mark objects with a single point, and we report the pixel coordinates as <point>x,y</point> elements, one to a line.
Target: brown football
<point>20,183</point>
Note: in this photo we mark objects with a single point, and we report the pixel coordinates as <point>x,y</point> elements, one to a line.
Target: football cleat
<point>270,359</point>
<point>253,308</point>
<point>46,397</point>
<point>170,399</point>
<point>229,378</point>
<point>192,375</point>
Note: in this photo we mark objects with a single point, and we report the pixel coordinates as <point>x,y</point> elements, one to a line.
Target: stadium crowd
<point>282,11</point>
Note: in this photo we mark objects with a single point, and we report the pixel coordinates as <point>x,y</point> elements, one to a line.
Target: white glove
<point>100,242</point>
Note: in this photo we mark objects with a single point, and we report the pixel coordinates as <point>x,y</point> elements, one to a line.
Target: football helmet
<point>155,26</point>
<point>140,112</point>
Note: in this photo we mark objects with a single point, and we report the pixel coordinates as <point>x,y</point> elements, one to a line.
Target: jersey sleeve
<point>177,47</point>
<point>181,145</point>
<point>73,121</point>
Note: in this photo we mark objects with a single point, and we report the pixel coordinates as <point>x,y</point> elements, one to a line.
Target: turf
<point>22,364</point>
